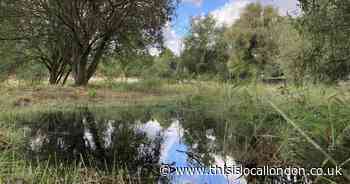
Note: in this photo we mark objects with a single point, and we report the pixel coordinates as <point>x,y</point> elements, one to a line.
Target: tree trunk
<point>53,78</point>
<point>79,69</point>
<point>66,77</point>
<point>57,69</point>
<point>84,71</point>
<point>80,75</point>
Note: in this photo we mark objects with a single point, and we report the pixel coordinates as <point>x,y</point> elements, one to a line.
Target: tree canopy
<point>252,42</point>
<point>328,27</point>
<point>205,50</point>
<point>78,33</point>
<point>73,37</point>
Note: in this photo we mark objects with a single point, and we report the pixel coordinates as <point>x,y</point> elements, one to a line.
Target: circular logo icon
<point>166,170</point>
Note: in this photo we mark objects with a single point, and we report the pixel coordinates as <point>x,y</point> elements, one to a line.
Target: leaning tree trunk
<point>53,78</point>
<point>83,71</point>
<point>56,68</point>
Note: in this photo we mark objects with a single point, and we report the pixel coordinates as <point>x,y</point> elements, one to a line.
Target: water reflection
<point>66,138</point>
<point>179,153</point>
<point>62,138</point>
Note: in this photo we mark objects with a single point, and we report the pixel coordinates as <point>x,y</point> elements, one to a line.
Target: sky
<point>224,11</point>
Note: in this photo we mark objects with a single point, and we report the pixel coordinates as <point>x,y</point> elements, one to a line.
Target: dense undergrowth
<point>259,129</point>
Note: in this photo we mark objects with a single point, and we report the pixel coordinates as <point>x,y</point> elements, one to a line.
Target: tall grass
<point>262,125</point>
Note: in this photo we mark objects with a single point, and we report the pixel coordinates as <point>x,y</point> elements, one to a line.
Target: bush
<point>32,73</point>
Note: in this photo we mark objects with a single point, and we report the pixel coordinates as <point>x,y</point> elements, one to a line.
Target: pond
<point>141,146</point>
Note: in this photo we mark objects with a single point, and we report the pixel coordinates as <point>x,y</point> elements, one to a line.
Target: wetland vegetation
<point>84,100</point>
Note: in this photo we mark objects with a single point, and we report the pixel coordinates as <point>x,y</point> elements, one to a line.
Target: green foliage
<point>29,70</point>
<point>327,26</point>
<point>165,65</point>
<point>10,59</point>
<point>247,127</point>
<point>92,93</point>
<point>60,34</point>
<point>124,66</point>
<point>147,85</point>
<point>205,50</point>
<point>293,46</point>
<point>252,43</point>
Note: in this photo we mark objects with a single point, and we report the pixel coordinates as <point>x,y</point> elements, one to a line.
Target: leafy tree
<point>326,22</point>
<point>43,40</point>
<point>126,64</point>
<point>205,51</point>
<point>6,66</point>
<point>9,52</point>
<point>294,46</point>
<point>165,65</point>
<point>252,44</point>
<point>85,31</point>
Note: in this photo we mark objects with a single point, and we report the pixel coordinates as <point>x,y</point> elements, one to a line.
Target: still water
<point>142,146</point>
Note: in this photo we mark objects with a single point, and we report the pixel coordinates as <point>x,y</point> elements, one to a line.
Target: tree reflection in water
<point>77,137</point>
<point>128,142</point>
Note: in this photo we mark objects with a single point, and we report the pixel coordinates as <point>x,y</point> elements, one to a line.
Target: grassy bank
<point>262,126</point>
<point>256,124</point>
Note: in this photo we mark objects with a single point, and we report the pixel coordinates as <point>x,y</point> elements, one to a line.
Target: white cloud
<point>171,40</point>
<point>230,12</point>
<point>286,6</point>
<point>154,51</point>
<point>195,2</point>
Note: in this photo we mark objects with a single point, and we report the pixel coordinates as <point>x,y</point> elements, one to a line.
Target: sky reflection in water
<point>145,145</point>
